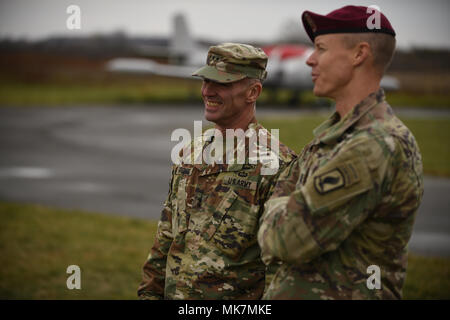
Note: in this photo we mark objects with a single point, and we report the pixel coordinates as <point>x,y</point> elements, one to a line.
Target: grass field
<point>58,95</point>
<point>152,89</point>
<point>37,244</point>
<point>432,135</point>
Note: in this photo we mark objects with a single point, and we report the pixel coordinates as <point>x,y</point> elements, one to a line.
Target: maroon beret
<point>348,19</point>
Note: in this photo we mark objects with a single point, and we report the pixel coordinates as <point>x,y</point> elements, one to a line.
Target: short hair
<point>382,46</point>
<point>251,81</point>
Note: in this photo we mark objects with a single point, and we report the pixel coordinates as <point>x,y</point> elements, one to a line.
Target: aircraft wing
<point>293,74</point>
<point>145,66</point>
<point>389,83</point>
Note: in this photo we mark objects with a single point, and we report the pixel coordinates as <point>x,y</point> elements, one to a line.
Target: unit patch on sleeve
<point>329,181</point>
<point>330,188</point>
<point>344,175</point>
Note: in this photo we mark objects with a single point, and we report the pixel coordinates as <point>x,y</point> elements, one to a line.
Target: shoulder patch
<point>344,175</point>
<point>329,181</point>
<point>336,183</point>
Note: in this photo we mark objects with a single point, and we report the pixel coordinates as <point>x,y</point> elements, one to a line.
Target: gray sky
<point>418,23</point>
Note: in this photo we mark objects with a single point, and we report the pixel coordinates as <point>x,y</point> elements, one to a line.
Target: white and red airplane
<point>286,68</point>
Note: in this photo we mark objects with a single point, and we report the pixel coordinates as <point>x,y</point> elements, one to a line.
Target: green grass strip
<point>38,243</point>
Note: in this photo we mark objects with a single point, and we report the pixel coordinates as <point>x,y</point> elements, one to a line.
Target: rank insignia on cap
<point>329,181</point>
<point>230,62</point>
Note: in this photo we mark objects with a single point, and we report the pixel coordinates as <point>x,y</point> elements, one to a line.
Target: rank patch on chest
<point>329,181</point>
<point>184,171</point>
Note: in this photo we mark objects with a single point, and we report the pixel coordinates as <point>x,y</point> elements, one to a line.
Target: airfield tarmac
<point>116,160</point>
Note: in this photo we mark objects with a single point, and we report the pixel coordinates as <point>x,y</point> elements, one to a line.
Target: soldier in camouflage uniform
<point>349,201</point>
<point>206,245</point>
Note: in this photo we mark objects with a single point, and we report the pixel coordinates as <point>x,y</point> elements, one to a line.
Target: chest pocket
<point>235,213</point>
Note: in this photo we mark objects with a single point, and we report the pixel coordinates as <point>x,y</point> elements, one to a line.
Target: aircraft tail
<point>182,45</point>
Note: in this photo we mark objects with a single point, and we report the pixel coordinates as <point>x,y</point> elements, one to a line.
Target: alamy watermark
<point>374,21</point>
<point>74,280</point>
<point>73,22</point>
<point>235,147</point>
<point>374,281</point>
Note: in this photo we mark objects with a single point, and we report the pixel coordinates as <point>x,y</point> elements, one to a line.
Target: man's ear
<point>254,91</point>
<point>361,53</point>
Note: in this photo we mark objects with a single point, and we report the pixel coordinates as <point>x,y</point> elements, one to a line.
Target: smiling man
<point>341,216</point>
<point>206,245</point>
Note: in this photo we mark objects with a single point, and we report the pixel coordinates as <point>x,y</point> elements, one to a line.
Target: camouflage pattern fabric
<point>230,62</point>
<point>348,202</point>
<point>206,246</point>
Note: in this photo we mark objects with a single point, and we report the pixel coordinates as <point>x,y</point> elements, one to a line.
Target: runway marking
<point>26,173</point>
<point>430,242</point>
<point>89,187</point>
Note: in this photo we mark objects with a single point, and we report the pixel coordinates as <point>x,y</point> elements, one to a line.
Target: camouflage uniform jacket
<point>206,246</point>
<point>348,202</point>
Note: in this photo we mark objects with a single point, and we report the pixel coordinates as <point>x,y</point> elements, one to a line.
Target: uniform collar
<point>209,136</point>
<point>333,128</point>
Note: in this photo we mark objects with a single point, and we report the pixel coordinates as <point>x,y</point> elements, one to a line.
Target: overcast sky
<point>418,23</point>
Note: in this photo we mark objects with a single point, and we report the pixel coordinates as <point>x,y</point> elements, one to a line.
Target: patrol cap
<point>230,62</point>
<point>348,19</point>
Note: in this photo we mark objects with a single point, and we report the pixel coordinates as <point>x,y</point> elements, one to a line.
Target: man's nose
<point>311,59</point>
<point>208,88</point>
